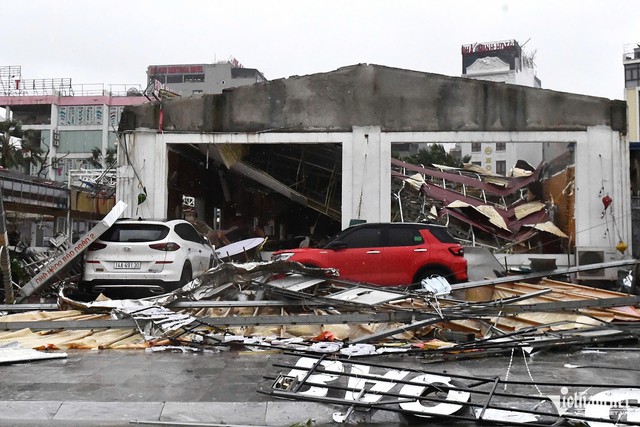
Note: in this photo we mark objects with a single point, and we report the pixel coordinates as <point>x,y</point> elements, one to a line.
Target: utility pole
<point>5,262</point>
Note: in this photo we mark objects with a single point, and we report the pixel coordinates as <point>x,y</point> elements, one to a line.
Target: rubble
<point>364,388</point>
<point>12,353</point>
<point>266,302</point>
<point>479,207</point>
<point>335,328</point>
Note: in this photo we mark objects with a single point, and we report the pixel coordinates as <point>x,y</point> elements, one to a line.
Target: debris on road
<point>13,353</point>
<point>363,388</point>
<point>264,304</point>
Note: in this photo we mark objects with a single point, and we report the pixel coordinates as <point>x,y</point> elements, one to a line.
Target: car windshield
<point>135,233</point>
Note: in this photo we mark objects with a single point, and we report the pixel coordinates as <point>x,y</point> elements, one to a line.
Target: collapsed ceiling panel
<point>480,207</point>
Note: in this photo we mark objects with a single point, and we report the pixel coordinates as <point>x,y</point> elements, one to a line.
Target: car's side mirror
<point>337,244</point>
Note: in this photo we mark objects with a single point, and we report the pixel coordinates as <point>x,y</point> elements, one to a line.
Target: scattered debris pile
<point>30,262</point>
<point>288,306</point>
<point>480,207</point>
<point>363,388</point>
<point>333,327</point>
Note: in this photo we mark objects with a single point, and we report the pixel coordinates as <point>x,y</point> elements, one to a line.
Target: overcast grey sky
<point>578,43</point>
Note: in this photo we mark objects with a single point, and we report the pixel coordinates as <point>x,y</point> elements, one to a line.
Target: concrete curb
<point>90,413</point>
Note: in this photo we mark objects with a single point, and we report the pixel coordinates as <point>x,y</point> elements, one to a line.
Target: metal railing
<point>90,178</point>
<point>64,87</point>
<point>631,52</point>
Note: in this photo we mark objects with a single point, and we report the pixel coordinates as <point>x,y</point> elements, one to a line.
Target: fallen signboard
<point>361,386</point>
<point>57,265</point>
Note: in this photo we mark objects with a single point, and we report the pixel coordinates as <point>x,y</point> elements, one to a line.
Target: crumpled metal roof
<point>471,199</point>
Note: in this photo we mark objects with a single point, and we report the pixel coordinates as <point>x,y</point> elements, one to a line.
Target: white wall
<point>602,168</point>
<point>366,176</point>
<point>145,166</point>
<point>602,162</point>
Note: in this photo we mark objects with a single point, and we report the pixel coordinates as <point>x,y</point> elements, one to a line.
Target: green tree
<point>10,153</point>
<point>18,155</point>
<point>98,161</point>
<point>435,154</point>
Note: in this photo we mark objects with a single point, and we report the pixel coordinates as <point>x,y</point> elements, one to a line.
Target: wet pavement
<point>128,387</point>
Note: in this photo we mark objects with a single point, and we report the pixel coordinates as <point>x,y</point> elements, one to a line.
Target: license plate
<point>126,265</point>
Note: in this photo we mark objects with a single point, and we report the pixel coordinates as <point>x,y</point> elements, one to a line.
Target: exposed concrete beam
<point>497,136</point>
<point>340,137</point>
<point>257,138</point>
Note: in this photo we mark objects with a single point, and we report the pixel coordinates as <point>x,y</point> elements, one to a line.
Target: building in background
<point>194,79</point>
<point>631,62</point>
<point>506,62</point>
<point>501,61</point>
<point>71,122</point>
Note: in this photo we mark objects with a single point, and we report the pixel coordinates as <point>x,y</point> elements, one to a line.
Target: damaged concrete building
<point>296,155</point>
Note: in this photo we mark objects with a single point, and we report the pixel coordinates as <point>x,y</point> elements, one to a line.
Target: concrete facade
<point>70,121</point>
<point>70,126</point>
<point>366,108</point>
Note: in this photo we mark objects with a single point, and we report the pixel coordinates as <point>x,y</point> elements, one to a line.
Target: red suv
<point>387,254</point>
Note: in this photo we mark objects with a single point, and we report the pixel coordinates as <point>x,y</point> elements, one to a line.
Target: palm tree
<point>18,153</point>
<point>97,159</point>
<point>10,151</point>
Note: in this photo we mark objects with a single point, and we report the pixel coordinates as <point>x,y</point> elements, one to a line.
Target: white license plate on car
<point>131,265</point>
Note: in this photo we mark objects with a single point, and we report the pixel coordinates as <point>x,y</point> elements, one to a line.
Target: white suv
<point>145,255</point>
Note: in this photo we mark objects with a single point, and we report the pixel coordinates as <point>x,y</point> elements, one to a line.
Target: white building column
<point>366,176</point>
<point>145,167</point>
<point>602,168</point>
<point>53,149</point>
<point>106,122</point>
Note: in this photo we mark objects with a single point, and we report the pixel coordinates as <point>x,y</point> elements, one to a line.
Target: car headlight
<point>284,256</point>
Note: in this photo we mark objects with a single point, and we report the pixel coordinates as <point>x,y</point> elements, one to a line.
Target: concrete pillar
<point>106,122</point>
<point>53,150</point>
<point>157,186</point>
<point>366,176</point>
<point>602,168</point>
<point>145,168</point>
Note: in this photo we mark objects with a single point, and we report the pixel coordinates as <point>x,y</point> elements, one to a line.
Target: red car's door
<point>361,259</point>
<point>405,251</point>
